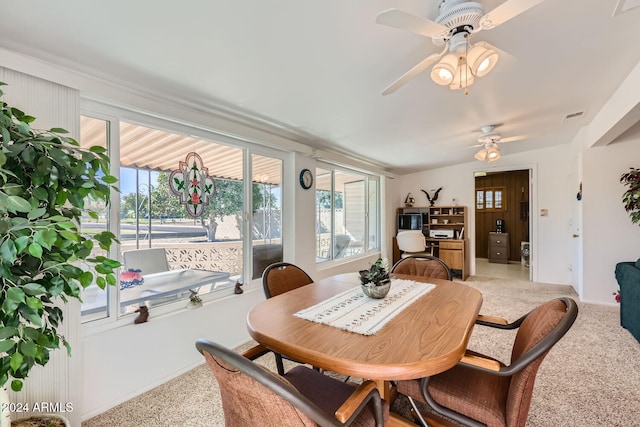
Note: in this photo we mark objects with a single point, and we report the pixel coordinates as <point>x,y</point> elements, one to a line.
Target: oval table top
<point>427,337</point>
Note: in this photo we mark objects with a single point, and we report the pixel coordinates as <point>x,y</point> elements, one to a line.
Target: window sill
<point>97,326</point>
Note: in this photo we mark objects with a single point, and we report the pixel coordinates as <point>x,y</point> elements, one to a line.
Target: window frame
<point>113,115</point>
<point>486,198</point>
<point>367,247</point>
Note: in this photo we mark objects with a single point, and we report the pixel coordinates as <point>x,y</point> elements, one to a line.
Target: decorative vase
<point>377,290</point>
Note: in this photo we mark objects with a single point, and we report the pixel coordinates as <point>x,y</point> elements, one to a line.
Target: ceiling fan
<point>459,62</point>
<point>489,141</point>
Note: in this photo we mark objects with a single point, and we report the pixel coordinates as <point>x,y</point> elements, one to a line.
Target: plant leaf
<point>16,361</point>
<point>6,345</point>
<point>35,250</point>
<point>18,204</point>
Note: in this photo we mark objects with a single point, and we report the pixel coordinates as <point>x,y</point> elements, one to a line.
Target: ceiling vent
<point>573,115</point>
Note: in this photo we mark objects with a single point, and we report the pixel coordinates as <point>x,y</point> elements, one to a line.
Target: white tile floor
<point>513,270</point>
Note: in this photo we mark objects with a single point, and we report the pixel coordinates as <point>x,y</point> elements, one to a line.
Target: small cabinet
<point>499,247</point>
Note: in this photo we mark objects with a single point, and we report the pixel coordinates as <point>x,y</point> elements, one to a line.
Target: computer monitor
<point>410,221</point>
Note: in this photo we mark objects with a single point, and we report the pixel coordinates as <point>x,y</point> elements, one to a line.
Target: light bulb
<point>483,65</point>
<point>482,59</point>
<point>443,72</point>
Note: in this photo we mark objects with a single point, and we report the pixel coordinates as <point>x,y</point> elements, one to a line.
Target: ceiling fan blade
<point>513,138</point>
<point>414,24</point>
<point>507,10</point>
<point>417,69</point>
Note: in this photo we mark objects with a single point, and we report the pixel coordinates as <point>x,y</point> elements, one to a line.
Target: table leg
<point>387,390</point>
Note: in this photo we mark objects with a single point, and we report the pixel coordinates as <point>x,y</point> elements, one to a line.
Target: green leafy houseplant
<point>45,179</point>
<point>631,197</point>
<point>376,275</point>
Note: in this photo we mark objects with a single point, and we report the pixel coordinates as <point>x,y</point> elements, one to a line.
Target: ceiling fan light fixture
<point>463,77</point>
<point>493,152</point>
<point>482,60</point>
<point>481,155</point>
<point>444,71</point>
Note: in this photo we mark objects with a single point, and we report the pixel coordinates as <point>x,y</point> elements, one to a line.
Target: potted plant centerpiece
<point>375,281</point>
<point>45,259</point>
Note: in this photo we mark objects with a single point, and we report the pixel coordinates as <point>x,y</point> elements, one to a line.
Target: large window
<point>174,246</point>
<point>347,213</point>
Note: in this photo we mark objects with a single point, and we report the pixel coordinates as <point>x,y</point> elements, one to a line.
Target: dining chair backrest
<point>151,260</point>
<point>543,326</point>
<point>282,277</point>
<point>253,395</point>
<point>423,266</point>
<point>411,241</point>
<point>482,391</point>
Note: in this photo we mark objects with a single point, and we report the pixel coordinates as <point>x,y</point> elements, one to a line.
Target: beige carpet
<point>590,378</point>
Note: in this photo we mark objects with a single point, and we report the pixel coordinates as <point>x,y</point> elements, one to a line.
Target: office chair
<point>482,391</point>
<point>412,242</point>
<point>423,265</point>
<point>252,395</point>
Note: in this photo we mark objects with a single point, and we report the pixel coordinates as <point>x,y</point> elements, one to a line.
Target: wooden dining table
<point>427,337</point>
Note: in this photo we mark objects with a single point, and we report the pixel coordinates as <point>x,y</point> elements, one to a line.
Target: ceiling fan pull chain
<point>466,66</point>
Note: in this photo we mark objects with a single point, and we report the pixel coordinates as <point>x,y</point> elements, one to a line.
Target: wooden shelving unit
<point>454,251</point>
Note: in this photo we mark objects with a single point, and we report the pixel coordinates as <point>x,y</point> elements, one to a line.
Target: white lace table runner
<point>353,311</point>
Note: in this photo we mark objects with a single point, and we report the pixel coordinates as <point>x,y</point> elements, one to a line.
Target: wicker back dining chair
<point>424,266</point>
<point>482,391</point>
<point>282,277</point>
<point>252,395</point>
<point>277,279</point>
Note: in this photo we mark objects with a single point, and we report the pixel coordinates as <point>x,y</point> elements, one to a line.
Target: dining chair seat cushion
<point>329,394</point>
<point>459,388</point>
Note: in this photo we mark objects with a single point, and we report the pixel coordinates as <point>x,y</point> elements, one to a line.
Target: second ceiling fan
<point>459,62</point>
<point>489,141</point>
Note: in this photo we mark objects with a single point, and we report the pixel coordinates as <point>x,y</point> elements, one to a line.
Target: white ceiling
<point>315,69</point>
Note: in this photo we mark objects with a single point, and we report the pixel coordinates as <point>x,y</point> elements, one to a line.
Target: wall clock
<point>306,179</point>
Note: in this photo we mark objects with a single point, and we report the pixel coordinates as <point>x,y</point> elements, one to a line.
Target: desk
<point>159,285</point>
<point>454,253</point>
<point>426,338</point>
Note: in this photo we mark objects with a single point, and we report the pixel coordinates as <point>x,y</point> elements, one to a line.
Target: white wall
<point>550,236</point>
<point>609,235</point>
<point>121,363</point>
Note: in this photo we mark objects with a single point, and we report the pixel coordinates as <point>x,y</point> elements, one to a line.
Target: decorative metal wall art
<point>191,181</point>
